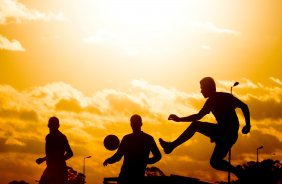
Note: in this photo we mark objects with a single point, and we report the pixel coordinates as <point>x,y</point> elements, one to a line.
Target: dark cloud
<point>269,109</point>
<point>249,144</point>
<point>72,105</point>
<point>19,168</point>
<point>126,105</point>
<point>30,146</point>
<point>26,115</point>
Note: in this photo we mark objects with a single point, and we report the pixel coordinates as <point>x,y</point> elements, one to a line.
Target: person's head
<point>136,122</point>
<point>208,87</point>
<point>53,123</point>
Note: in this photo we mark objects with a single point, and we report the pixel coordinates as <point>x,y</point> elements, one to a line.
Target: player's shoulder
<point>223,95</point>
<point>146,135</point>
<point>61,136</point>
<point>127,136</point>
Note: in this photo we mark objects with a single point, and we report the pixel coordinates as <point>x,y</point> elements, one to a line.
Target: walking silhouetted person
<point>135,148</point>
<point>57,150</point>
<point>224,133</point>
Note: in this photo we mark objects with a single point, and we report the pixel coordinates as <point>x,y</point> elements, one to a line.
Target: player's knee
<point>214,163</point>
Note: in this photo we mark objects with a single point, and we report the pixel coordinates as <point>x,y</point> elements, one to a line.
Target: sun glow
<point>139,27</point>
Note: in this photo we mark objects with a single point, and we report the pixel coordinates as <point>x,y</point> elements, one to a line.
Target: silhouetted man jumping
<point>135,148</point>
<point>57,151</point>
<point>224,133</point>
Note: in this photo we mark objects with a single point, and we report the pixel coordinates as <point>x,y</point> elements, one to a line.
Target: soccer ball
<point>111,142</point>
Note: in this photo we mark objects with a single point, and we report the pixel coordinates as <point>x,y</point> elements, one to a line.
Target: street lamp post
<point>229,153</point>
<point>84,167</point>
<point>257,152</point>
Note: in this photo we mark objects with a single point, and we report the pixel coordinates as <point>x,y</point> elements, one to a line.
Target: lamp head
<point>235,84</point>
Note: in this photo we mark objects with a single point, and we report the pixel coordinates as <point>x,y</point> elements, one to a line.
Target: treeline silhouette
<point>74,177</point>
<point>18,182</point>
<point>265,172</point>
<point>153,171</point>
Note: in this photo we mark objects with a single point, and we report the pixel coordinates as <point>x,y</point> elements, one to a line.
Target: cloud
<point>12,9</point>
<point>265,102</point>
<point>13,45</point>
<point>69,105</point>
<point>244,83</point>
<point>211,27</point>
<point>276,80</point>
<point>265,109</point>
<point>247,145</point>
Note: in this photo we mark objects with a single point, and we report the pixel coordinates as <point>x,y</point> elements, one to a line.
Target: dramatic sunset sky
<point>94,63</point>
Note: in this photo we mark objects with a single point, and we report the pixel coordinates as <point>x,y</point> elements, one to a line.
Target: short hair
<point>53,123</point>
<point>136,121</point>
<point>209,83</point>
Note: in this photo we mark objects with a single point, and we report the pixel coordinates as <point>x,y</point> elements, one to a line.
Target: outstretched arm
<point>40,160</point>
<point>117,156</point>
<point>193,117</point>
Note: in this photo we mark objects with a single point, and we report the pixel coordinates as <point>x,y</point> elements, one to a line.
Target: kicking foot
<point>167,146</point>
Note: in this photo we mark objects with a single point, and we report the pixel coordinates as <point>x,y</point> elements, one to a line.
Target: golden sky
<point>94,63</point>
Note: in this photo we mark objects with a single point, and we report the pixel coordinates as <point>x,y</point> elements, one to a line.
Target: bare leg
<point>217,160</point>
<point>205,128</point>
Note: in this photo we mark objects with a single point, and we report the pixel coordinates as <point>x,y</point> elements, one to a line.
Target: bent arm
<point>68,154</point>
<point>246,113</point>
<point>245,109</point>
<point>156,154</point>
<point>117,156</point>
<point>68,151</point>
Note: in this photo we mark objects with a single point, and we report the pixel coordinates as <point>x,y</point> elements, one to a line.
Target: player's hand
<point>174,117</point>
<point>39,160</point>
<point>106,162</point>
<point>246,129</point>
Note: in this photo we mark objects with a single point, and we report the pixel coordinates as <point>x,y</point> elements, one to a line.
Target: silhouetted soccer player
<point>135,148</point>
<point>57,151</point>
<point>224,133</point>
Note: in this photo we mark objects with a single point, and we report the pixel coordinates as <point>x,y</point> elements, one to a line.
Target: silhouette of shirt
<point>55,148</point>
<point>223,105</point>
<point>135,148</point>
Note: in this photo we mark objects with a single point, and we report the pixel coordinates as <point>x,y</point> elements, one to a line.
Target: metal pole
<point>257,152</point>
<point>257,155</point>
<point>229,155</point>
<point>229,160</point>
<point>84,167</point>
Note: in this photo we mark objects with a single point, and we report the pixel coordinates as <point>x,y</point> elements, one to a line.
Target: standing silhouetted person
<point>224,133</point>
<point>57,150</point>
<point>135,148</point>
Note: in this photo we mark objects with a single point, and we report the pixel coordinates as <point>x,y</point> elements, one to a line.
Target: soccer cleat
<point>167,146</point>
